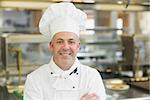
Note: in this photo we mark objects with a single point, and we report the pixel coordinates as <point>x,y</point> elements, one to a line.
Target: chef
<point>64,77</point>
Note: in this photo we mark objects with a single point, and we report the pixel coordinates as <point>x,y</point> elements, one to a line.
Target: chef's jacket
<point>49,82</point>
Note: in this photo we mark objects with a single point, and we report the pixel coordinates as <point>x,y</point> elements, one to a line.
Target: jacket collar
<point>57,70</point>
<point>65,80</point>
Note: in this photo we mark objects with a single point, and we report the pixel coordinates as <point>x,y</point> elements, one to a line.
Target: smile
<point>65,53</point>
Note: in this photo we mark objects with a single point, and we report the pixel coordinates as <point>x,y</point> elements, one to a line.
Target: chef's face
<point>65,46</point>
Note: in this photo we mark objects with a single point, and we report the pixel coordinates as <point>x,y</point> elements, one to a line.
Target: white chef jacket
<point>49,82</point>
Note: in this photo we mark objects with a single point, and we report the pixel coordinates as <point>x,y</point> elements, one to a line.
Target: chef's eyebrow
<point>59,39</point>
<point>63,39</point>
<point>71,39</point>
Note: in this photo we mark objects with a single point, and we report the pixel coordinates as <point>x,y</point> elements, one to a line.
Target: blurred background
<point>116,43</point>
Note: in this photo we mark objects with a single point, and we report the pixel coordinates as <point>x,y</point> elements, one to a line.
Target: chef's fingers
<point>92,96</point>
<point>84,96</point>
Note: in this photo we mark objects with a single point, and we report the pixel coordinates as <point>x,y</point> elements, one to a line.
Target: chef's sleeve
<point>96,85</point>
<point>31,90</point>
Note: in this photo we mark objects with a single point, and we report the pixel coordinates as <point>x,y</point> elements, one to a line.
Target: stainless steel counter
<point>136,90</point>
<point>132,93</point>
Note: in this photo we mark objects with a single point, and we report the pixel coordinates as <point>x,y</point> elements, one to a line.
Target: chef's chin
<point>66,57</point>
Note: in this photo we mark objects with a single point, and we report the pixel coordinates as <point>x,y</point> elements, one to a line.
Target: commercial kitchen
<point>116,43</point>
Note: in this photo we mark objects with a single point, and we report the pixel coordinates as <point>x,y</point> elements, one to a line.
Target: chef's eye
<point>59,42</point>
<point>71,42</point>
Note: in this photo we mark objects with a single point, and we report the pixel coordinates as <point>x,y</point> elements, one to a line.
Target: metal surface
<point>98,49</point>
<point>4,95</point>
<point>18,52</point>
<point>4,52</point>
<point>98,4</point>
<point>146,2</point>
<point>132,93</point>
<point>7,39</point>
<point>128,49</point>
<point>18,62</point>
<point>131,58</point>
<point>24,38</point>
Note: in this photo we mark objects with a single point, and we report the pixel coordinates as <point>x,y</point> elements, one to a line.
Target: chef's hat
<point>62,17</point>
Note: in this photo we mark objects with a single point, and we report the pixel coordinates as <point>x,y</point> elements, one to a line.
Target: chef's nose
<point>66,45</point>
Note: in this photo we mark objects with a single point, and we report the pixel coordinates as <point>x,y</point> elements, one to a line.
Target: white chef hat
<point>62,17</point>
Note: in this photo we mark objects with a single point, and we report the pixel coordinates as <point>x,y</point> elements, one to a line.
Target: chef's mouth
<point>65,53</point>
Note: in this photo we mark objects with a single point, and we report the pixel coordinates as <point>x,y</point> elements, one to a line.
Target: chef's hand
<point>91,96</point>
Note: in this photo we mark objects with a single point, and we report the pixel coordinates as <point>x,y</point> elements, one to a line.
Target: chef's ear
<point>78,46</point>
<point>50,46</point>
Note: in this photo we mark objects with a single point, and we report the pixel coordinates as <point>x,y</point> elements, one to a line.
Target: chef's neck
<point>64,65</point>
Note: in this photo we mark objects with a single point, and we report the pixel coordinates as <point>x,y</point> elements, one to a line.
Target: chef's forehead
<point>65,36</point>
